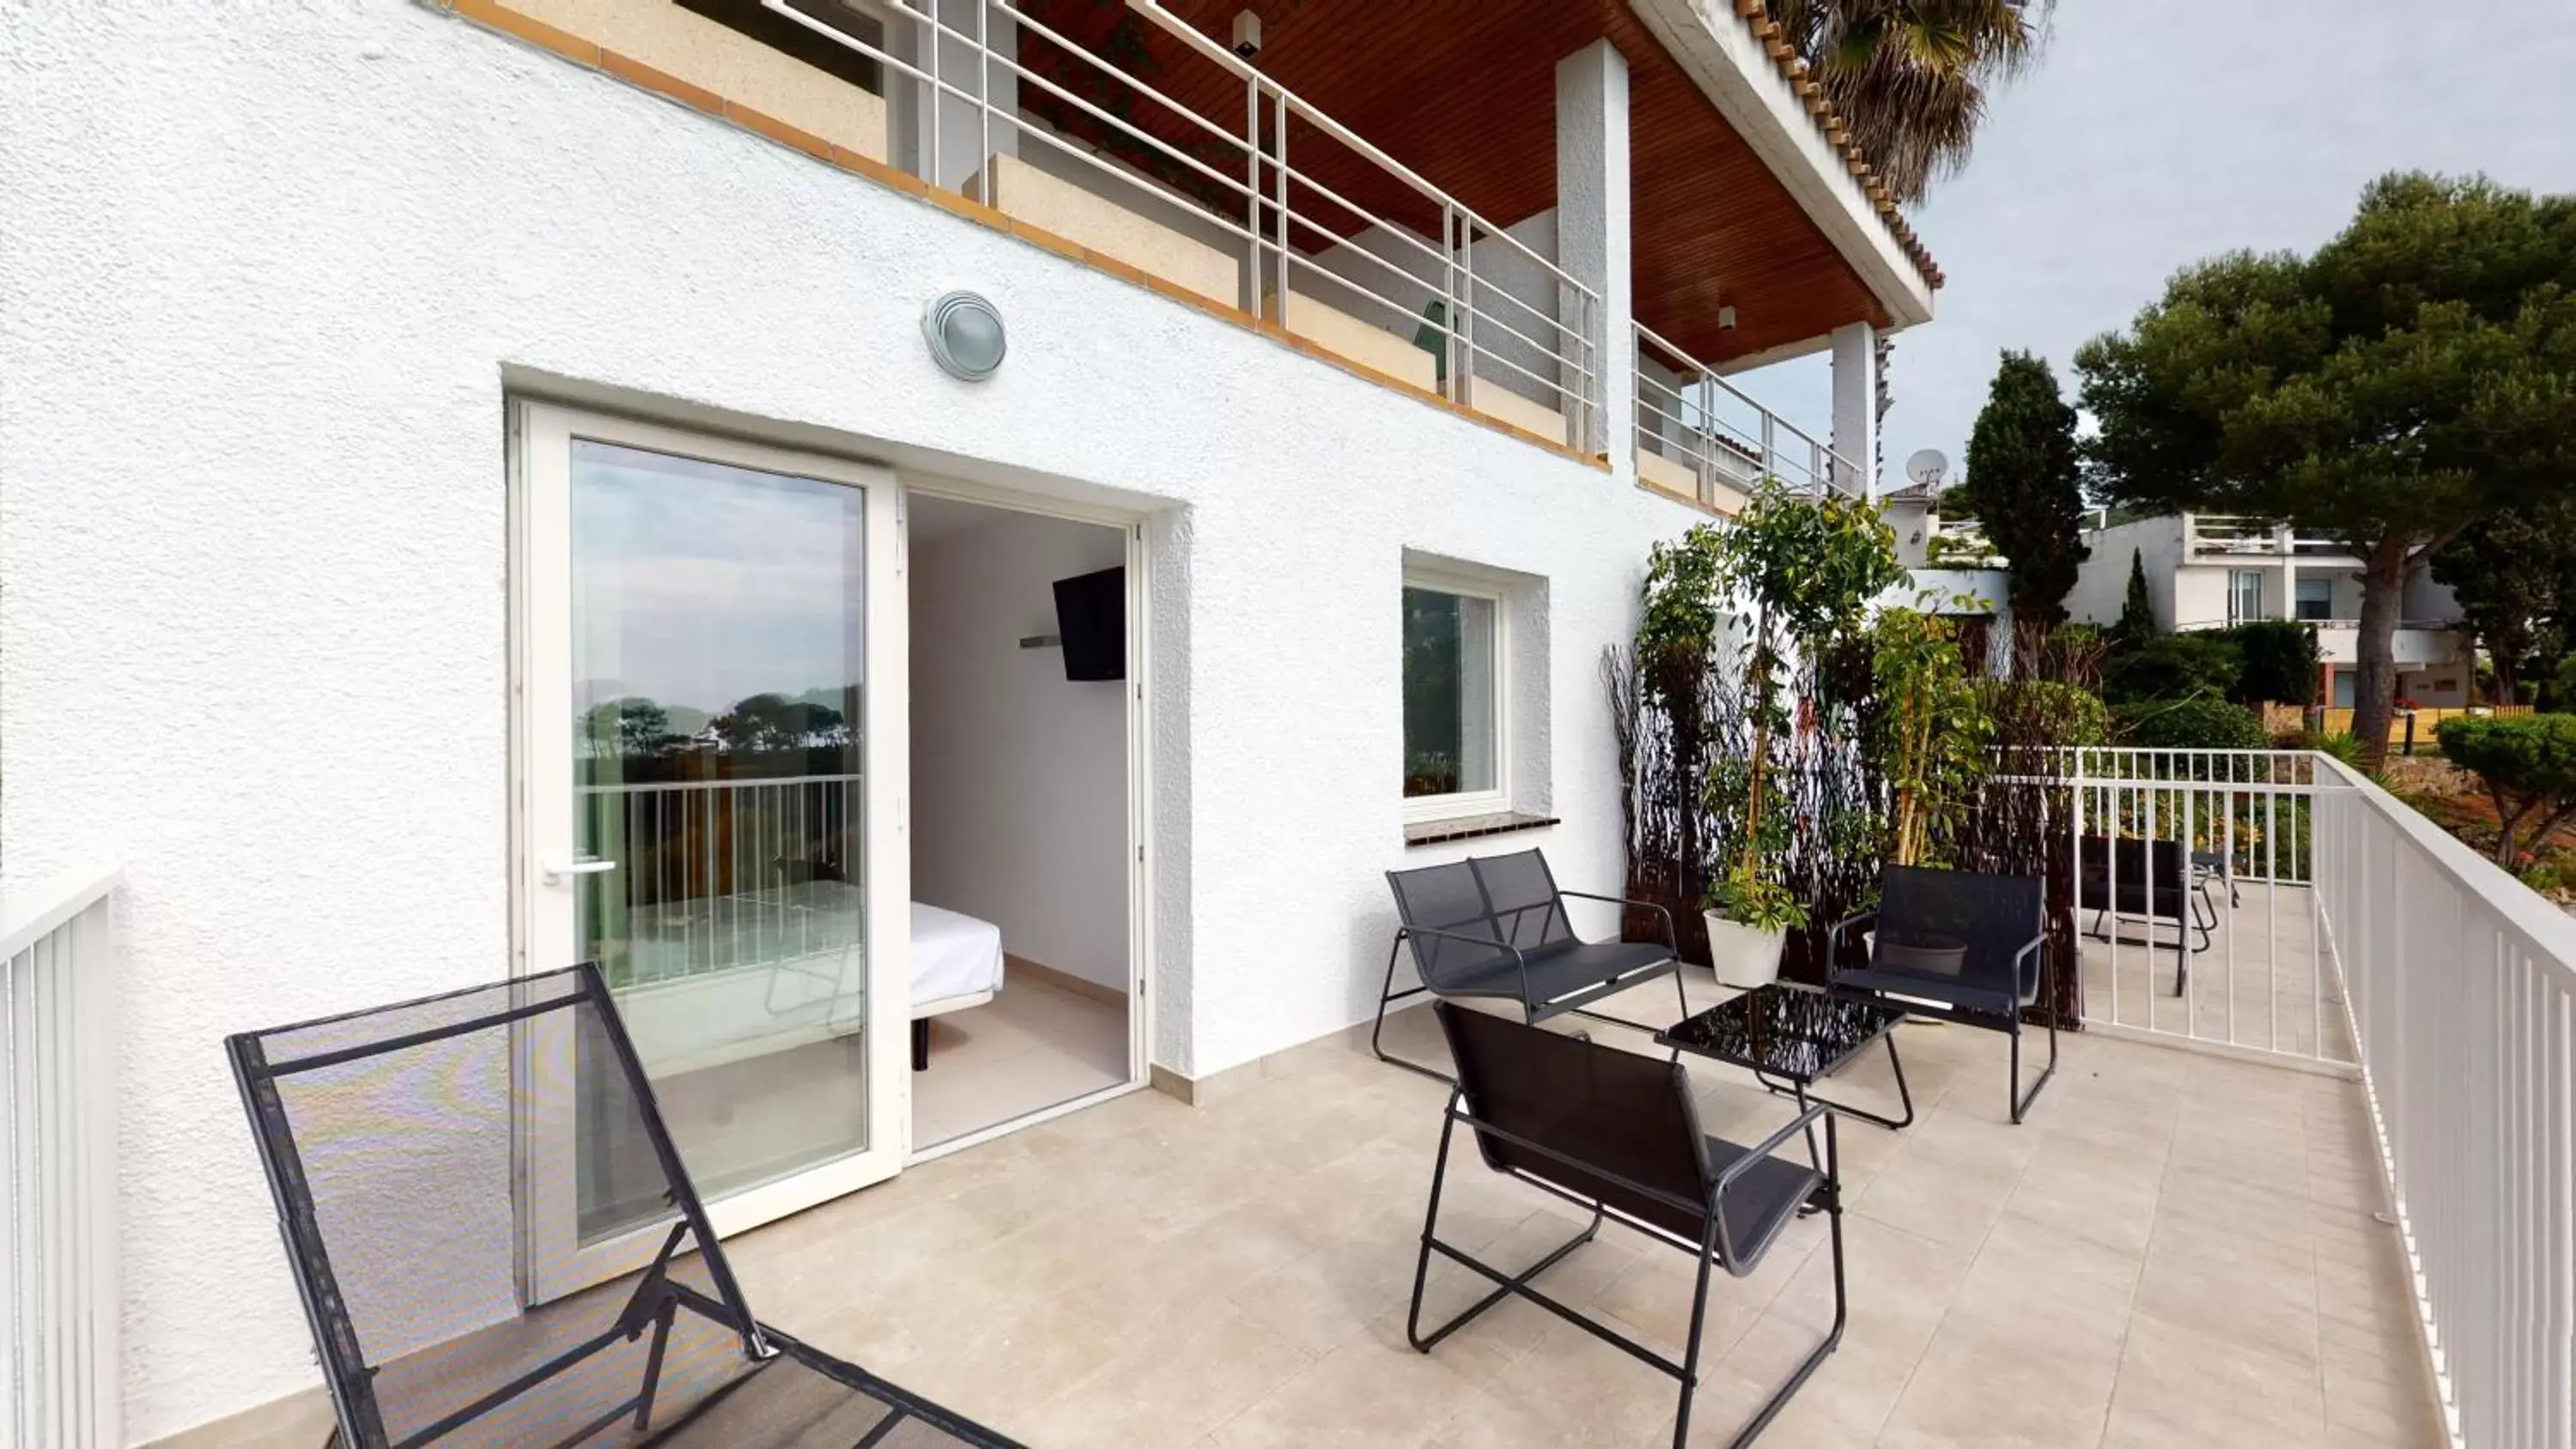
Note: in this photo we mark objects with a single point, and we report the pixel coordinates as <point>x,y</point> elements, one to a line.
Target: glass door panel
<point>701,742</point>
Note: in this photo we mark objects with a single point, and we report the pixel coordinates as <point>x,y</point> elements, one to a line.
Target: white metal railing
<point>715,875</point>
<point>1451,289</point>
<point>58,1088</point>
<point>1719,436</point>
<point>2463,1001</point>
<point>2231,533</point>
<point>2195,894</point>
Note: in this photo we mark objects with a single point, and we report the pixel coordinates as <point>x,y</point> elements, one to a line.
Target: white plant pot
<point>1743,956</point>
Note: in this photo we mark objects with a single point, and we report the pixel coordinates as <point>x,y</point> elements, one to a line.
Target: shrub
<point>2172,666</point>
<point>2528,765</point>
<point>2188,724</point>
<point>2074,716</point>
<point>2279,663</point>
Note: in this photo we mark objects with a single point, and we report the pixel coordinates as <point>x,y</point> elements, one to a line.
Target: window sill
<point>1469,827</point>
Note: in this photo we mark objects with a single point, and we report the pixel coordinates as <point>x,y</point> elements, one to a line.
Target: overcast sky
<point>2156,132</point>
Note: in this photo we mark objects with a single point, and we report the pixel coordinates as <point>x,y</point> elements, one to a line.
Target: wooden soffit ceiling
<point>1464,93</point>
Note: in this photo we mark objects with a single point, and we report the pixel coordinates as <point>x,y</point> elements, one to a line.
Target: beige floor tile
<point>1372,1390</point>
<point>2179,1385</point>
<point>1176,1384</point>
<point>1033,1045</point>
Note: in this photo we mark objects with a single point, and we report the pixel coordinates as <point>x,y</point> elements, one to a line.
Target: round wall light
<point>965,335</point>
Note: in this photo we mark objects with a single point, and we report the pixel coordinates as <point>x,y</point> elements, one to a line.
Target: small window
<point>1454,651</point>
<point>2244,595</point>
<point>2316,598</point>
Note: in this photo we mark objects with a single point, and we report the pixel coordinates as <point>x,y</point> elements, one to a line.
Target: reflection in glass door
<point>710,818</point>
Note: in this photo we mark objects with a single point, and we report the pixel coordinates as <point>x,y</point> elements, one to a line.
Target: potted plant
<point>1928,736</point>
<point>1802,569</point>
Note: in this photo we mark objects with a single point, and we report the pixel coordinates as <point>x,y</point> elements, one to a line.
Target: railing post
<point>1467,309</point>
<point>1254,301</point>
<point>1450,306</point>
<point>1279,170</point>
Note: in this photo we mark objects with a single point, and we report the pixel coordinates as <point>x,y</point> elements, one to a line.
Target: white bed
<point>956,961</point>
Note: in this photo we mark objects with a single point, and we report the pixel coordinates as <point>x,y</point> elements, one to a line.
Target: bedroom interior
<point>1019,813</point>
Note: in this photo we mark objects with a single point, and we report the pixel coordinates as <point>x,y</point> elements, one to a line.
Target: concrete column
<point>1856,405</point>
<point>1592,243</point>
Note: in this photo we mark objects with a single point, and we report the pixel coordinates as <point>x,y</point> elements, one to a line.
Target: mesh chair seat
<point>1983,992</point>
<point>1560,977</point>
<point>436,1161</point>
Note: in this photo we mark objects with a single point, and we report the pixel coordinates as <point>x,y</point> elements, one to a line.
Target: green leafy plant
<point>2527,764</point>
<point>2075,716</point>
<point>1806,568</point>
<point>2279,662</point>
<point>1928,734</point>
<point>2172,666</point>
<point>2203,723</point>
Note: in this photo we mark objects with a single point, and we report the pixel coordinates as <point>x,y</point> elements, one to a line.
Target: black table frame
<point>1797,1086</point>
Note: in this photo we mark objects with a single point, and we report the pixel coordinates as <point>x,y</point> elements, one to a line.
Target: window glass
<point>1451,738</point>
<point>2316,598</point>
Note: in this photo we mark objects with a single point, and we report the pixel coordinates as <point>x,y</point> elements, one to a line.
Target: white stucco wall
<point>2102,584</point>
<point>261,283</point>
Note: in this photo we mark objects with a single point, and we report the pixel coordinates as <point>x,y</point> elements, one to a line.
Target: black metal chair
<point>1617,1134</point>
<point>435,1162</point>
<point>1993,927</point>
<point>1497,926</point>
<point>2154,881</point>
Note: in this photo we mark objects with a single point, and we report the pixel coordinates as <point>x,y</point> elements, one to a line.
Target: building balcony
<point>1382,196</point>
<point>1702,439</point>
<point>2208,536</point>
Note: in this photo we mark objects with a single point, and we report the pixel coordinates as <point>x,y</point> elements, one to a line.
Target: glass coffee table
<point>1791,1036</point>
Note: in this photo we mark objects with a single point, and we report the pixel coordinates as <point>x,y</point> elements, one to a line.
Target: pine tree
<point>2022,487</point>
<point>2138,614</point>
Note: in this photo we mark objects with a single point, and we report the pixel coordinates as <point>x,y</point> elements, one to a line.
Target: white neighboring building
<point>2209,571</point>
<point>347,348</point>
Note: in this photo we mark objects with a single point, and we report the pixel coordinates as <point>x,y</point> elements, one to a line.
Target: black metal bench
<point>1497,926</point>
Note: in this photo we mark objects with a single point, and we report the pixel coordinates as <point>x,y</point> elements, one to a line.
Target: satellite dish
<point>1926,467</point>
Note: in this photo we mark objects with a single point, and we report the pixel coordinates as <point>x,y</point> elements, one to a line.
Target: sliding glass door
<point>712,758</point>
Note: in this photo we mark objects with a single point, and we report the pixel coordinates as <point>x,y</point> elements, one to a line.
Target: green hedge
<point>2188,724</point>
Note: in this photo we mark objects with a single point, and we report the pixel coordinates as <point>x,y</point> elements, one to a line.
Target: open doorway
<point>1021,852</point>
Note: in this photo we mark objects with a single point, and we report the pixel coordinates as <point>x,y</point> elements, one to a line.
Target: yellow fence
<point>2339,721</point>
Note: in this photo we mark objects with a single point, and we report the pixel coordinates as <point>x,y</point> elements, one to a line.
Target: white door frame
<point>1140,779</point>
<point>543,931</point>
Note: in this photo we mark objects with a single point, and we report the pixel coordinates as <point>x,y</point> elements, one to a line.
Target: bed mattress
<point>953,956</point>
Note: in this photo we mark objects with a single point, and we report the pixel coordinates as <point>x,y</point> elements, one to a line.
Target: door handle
<point>557,870</point>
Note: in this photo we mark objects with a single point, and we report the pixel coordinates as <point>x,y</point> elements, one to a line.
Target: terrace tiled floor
<point>2176,1250</point>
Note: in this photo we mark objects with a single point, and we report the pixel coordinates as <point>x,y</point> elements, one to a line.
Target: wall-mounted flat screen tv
<point>1091,616</point>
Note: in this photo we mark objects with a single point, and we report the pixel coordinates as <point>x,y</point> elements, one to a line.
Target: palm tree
<point>1909,77</point>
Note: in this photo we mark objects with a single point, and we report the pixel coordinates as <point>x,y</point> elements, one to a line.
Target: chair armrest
<point>1761,1152</point>
<point>1519,961</point>
<point>2036,942</point>
<point>1670,938</point>
<point>1834,937</point>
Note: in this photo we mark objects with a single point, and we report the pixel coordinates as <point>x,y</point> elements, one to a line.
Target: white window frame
<point>2235,595</point>
<point>1462,804</point>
